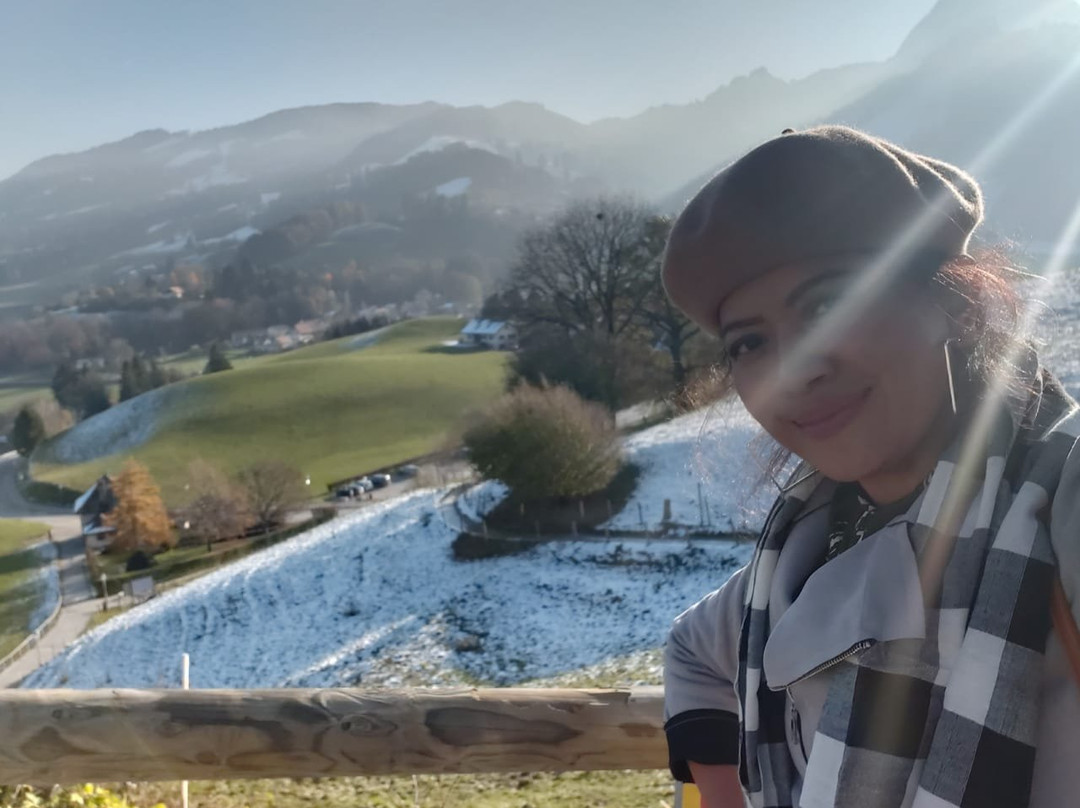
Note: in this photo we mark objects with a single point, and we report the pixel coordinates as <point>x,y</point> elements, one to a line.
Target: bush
<point>545,442</point>
<point>139,560</point>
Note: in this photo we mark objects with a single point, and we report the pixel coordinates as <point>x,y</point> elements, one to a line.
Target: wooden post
<point>701,505</point>
<point>640,515</point>
<point>185,684</point>
<point>667,511</point>
<point>80,736</point>
<point>581,508</point>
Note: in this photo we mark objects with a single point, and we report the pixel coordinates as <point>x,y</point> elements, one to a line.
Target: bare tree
<point>668,324</point>
<point>219,509</point>
<point>272,488</point>
<point>590,269</point>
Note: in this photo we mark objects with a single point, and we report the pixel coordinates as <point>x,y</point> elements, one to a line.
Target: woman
<point>890,643</point>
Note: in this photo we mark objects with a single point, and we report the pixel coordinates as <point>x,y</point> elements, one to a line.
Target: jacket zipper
<point>857,648</point>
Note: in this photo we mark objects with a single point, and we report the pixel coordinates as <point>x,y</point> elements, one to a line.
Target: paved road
<point>77,596</point>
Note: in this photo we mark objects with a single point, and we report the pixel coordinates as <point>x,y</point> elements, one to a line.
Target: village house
<point>91,508</point>
<point>498,335</point>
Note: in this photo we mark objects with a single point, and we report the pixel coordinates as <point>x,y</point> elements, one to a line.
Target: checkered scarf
<point>968,695</point>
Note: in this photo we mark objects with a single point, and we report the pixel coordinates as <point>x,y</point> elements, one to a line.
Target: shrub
<point>545,442</point>
<point>139,560</point>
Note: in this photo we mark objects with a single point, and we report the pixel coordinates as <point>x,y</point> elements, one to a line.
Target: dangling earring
<point>949,374</point>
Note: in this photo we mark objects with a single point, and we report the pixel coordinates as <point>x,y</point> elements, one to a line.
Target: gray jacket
<point>874,597</point>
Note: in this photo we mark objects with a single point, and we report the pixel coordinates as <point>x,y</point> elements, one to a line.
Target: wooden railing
<point>73,736</point>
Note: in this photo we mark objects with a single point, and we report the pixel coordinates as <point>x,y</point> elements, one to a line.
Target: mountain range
<point>993,85</point>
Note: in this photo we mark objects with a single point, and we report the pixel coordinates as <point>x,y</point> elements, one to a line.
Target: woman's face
<point>856,388</point>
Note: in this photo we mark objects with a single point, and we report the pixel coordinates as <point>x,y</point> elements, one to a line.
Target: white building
<point>498,335</point>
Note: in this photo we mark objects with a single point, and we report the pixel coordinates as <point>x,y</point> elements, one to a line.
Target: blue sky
<point>77,73</point>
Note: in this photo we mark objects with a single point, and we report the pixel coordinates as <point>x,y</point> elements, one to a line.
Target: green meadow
<point>331,410</point>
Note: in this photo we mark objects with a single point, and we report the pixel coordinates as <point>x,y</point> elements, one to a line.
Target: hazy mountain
<point>965,72</point>
<point>952,25</point>
<point>663,147</point>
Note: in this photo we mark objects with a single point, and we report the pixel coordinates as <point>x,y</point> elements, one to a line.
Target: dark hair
<point>979,293</point>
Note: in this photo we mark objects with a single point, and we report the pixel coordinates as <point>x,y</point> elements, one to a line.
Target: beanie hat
<point>822,193</point>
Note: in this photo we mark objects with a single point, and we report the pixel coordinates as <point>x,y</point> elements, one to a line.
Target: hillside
<point>375,598</point>
<point>331,410</point>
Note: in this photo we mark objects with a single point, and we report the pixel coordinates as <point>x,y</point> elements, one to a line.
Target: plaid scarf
<point>949,720</point>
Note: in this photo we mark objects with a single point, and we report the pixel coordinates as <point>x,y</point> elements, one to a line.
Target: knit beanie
<point>823,193</point>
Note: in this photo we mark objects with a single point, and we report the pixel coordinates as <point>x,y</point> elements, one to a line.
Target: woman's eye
<point>820,308</point>
<point>743,345</point>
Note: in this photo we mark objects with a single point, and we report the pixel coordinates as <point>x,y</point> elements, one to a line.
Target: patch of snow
<point>189,156</point>
<point>478,500</point>
<point>365,340</point>
<point>86,209</point>
<point>270,196</point>
<point>709,451</point>
<point>375,598</point>
<point>218,175</point>
<point>239,235</point>
<point>159,247</point>
<point>292,134</point>
<point>119,429</point>
<point>179,137</point>
<point>454,187</point>
<point>440,142</point>
<point>230,206</point>
<point>155,227</point>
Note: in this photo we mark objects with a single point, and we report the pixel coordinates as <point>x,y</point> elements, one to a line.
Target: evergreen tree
<point>94,397</point>
<point>138,375</point>
<point>216,361</point>
<point>65,383</point>
<point>140,518</point>
<point>127,382</point>
<point>155,376</point>
<point>27,431</point>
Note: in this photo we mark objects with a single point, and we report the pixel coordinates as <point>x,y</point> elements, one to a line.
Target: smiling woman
<point>890,643</point>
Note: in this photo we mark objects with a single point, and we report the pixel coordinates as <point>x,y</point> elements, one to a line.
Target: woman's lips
<point>830,417</point>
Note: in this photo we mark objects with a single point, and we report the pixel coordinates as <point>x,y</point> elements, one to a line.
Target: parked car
<point>380,480</point>
<point>406,471</point>
<point>365,483</point>
<point>343,493</point>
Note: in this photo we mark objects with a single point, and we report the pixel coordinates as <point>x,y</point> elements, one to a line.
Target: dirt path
<point>76,593</point>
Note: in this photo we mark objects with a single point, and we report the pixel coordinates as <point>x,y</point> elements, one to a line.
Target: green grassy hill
<point>331,410</point>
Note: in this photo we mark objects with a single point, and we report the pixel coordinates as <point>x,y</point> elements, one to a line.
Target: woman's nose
<point>801,365</point>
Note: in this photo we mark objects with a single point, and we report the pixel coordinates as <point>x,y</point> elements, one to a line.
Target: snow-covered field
<point>120,428</point>
<point>376,598</point>
<point>707,464</point>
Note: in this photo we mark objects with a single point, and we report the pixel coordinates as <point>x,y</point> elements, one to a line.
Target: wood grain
<point>72,736</point>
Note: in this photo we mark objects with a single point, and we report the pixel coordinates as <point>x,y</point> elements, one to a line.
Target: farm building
<point>91,508</point>
<point>498,335</point>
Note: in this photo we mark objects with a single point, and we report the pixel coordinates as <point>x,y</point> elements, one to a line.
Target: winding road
<point>77,596</point>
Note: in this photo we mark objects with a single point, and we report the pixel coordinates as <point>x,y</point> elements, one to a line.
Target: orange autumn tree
<point>139,518</point>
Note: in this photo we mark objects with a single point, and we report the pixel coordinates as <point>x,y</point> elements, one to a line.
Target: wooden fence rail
<point>73,736</point>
